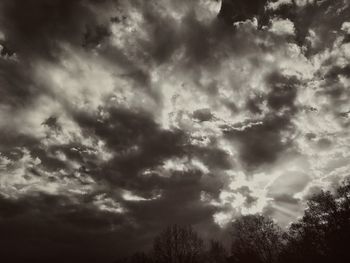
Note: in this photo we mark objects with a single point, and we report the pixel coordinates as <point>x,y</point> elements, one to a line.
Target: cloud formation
<point>118,118</point>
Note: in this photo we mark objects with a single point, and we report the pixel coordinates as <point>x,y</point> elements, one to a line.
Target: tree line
<point>322,234</point>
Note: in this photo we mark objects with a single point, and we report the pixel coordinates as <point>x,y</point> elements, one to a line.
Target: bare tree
<point>178,244</point>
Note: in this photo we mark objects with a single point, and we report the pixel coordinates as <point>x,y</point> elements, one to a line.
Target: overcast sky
<point>118,118</point>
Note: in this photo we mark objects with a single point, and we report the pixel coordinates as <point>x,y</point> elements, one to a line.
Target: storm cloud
<point>118,118</point>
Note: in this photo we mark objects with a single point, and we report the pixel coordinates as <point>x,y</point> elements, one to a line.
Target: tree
<point>178,244</point>
<point>323,233</point>
<point>256,239</point>
<point>216,253</point>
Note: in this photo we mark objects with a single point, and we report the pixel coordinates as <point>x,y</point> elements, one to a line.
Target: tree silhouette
<point>178,244</point>
<point>323,233</point>
<point>256,239</point>
<point>140,257</point>
<point>216,253</point>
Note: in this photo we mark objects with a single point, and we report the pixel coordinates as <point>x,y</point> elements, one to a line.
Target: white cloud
<point>282,26</point>
<point>276,5</point>
<point>346,27</point>
<point>130,196</point>
<point>104,203</point>
<point>303,3</point>
<point>27,176</point>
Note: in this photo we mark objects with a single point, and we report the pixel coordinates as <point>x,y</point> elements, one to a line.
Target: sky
<point>120,117</point>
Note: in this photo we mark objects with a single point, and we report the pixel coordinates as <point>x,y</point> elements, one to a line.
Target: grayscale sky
<point>120,117</point>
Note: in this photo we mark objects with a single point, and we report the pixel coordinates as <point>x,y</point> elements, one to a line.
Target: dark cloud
<point>324,143</point>
<point>235,11</point>
<point>13,141</point>
<point>262,142</point>
<point>202,115</point>
<point>329,15</point>
<point>138,143</point>
<point>164,40</point>
<point>38,28</point>
<point>50,228</point>
<point>335,89</point>
<point>181,192</point>
<point>5,50</point>
<point>95,36</point>
<point>212,156</point>
<point>52,122</point>
<point>324,18</point>
<point>204,43</point>
<point>65,227</point>
<point>336,71</point>
<point>201,41</point>
<point>254,104</point>
<point>17,87</point>
<point>283,92</point>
